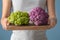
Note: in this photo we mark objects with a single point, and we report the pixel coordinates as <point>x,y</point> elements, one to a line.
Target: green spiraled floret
<point>19,18</point>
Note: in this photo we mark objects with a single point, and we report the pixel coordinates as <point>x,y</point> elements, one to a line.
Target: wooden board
<point>28,27</point>
<point>42,27</point>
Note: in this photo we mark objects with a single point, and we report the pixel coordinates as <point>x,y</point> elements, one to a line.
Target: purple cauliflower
<point>38,16</point>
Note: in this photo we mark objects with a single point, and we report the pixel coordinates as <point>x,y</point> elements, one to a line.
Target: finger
<point>4,22</point>
<point>48,21</point>
<point>7,23</point>
<point>53,23</point>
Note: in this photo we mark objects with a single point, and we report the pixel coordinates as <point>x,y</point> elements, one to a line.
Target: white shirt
<point>27,5</point>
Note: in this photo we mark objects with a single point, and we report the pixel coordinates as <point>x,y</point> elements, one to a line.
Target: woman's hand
<point>52,21</point>
<point>4,23</point>
<point>6,9</point>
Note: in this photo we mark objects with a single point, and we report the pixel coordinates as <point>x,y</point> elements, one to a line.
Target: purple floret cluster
<point>38,16</point>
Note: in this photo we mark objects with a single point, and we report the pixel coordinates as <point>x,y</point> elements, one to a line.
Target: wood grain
<point>42,27</point>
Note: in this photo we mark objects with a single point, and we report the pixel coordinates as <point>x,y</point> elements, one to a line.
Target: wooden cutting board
<point>28,27</point>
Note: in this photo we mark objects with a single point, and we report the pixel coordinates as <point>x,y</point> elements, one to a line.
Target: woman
<point>27,5</point>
